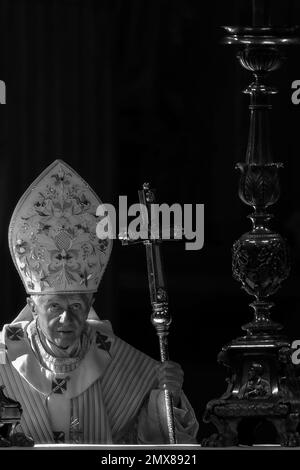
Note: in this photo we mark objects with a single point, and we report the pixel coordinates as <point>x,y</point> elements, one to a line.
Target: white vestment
<point>110,397</point>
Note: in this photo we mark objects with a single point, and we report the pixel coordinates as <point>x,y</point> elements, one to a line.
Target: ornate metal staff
<point>160,318</point>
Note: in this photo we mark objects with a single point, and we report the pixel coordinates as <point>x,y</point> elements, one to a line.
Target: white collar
<point>91,368</point>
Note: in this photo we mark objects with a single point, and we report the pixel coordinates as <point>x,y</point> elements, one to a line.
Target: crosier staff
<point>160,318</point>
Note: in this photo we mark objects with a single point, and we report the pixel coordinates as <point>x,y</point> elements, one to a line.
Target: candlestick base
<point>263,391</point>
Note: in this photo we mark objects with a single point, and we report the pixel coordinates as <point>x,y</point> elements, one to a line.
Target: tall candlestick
<point>263,386</point>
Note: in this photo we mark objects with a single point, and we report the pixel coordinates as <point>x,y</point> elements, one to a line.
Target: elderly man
<point>76,381</point>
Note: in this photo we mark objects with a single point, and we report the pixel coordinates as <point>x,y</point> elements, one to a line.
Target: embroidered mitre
<point>52,234</point>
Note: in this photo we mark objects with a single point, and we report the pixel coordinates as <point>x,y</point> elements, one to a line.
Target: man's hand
<point>170,377</point>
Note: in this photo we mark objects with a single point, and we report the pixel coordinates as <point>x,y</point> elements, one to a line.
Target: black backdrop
<point>134,91</point>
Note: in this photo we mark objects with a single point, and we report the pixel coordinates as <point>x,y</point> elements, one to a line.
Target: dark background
<point>134,91</point>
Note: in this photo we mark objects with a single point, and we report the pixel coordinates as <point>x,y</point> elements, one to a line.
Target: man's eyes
<point>56,307</point>
<point>76,306</point>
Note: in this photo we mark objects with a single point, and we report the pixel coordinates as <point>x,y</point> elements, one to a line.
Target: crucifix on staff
<point>160,318</point>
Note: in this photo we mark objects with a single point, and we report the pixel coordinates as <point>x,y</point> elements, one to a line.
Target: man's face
<point>61,317</point>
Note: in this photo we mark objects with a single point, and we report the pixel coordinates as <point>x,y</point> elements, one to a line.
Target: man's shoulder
<point>103,326</point>
<point>117,347</point>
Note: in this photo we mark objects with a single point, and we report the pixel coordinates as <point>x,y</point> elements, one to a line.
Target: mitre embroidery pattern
<point>53,237</point>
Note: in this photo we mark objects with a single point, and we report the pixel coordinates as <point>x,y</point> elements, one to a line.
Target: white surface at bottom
<point>194,447</point>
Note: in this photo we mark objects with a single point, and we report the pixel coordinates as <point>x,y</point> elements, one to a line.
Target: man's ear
<point>31,305</point>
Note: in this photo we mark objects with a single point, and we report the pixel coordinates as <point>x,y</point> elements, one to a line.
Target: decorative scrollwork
<point>261,263</point>
<point>259,184</point>
<point>253,409</point>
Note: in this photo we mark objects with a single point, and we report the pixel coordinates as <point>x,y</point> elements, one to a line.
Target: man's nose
<point>65,316</point>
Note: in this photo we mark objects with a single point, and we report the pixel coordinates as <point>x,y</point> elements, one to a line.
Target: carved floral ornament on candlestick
<point>263,386</point>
